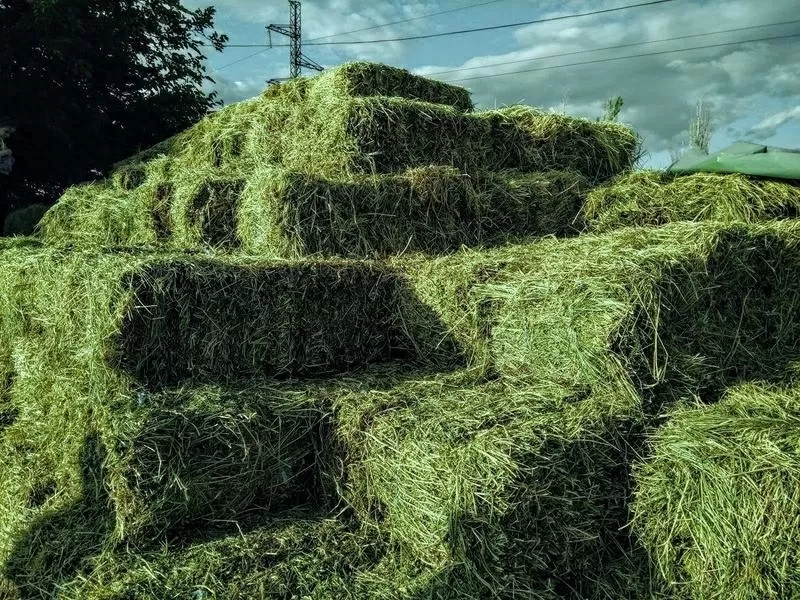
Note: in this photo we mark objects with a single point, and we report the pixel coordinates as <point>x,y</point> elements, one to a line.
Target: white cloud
<point>752,82</point>
<point>769,125</point>
<point>660,90</point>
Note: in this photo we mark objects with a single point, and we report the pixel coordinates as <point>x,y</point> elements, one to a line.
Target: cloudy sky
<point>752,88</point>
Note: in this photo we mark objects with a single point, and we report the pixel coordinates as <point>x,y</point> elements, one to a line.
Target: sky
<point>752,88</point>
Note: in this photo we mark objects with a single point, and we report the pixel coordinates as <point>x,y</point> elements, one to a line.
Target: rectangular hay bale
<point>504,489</point>
<point>652,198</point>
<point>717,501</point>
<point>683,309</point>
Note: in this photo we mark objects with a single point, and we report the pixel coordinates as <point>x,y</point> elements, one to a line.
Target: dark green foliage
<point>24,221</point>
<point>85,85</point>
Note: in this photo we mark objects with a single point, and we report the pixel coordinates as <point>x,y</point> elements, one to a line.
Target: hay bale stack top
<point>364,148</point>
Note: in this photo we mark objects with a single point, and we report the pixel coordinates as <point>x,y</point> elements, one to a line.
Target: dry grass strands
<point>718,503</point>
<point>504,488</point>
<point>291,557</point>
<point>687,308</point>
<point>157,464</point>
<point>286,214</point>
<point>434,209</point>
<point>649,198</point>
<point>90,334</point>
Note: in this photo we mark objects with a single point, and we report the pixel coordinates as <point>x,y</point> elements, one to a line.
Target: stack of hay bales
<point>361,161</point>
<point>313,348</point>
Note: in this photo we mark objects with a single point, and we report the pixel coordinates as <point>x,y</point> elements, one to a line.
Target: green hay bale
<point>432,210</point>
<point>204,212</point>
<point>129,473</point>
<point>97,214</point>
<point>157,463</point>
<point>89,333</point>
<point>718,503</point>
<point>170,317</point>
<point>286,214</point>
<point>597,149</point>
<point>503,488</point>
<point>25,221</point>
<point>684,309</point>
<point>361,79</point>
<point>385,135</point>
<point>654,198</point>
<point>293,557</point>
<point>131,172</point>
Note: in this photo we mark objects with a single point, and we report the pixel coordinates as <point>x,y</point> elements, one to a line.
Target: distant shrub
<point>24,220</point>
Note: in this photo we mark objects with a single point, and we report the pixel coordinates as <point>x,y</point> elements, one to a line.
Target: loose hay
<point>349,126</point>
<point>718,503</point>
<point>286,214</point>
<point>651,198</point>
<point>290,557</point>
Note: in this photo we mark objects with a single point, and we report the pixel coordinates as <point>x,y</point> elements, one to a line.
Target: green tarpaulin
<point>744,157</point>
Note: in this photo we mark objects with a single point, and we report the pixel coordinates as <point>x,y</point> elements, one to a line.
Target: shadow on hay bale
<point>60,544</point>
<point>658,313</point>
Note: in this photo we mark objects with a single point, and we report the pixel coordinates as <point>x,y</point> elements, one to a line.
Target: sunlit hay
<point>384,135</point>
<point>718,503</point>
<point>91,333</point>
<point>506,488</point>
<point>597,149</point>
<point>363,79</point>
<point>153,465</point>
<point>101,214</point>
<point>651,198</point>
<point>350,123</point>
<point>684,309</point>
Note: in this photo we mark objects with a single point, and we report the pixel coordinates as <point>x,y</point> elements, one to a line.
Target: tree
<point>85,83</point>
<point>612,108</point>
<point>700,131</point>
<point>700,127</point>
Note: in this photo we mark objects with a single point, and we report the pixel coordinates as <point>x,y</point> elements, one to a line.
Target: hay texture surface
<point>434,209</point>
<point>346,129</point>
<point>297,556</point>
<point>718,503</point>
<point>683,309</point>
<point>88,337</point>
<point>288,214</point>
<point>651,198</point>
<point>495,489</point>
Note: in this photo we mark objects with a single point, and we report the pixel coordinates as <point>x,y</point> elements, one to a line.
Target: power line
<point>435,14</point>
<point>244,58</point>
<point>603,60</point>
<point>463,31</point>
<point>380,25</point>
<point>495,27</point>
<point>631,45</point>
